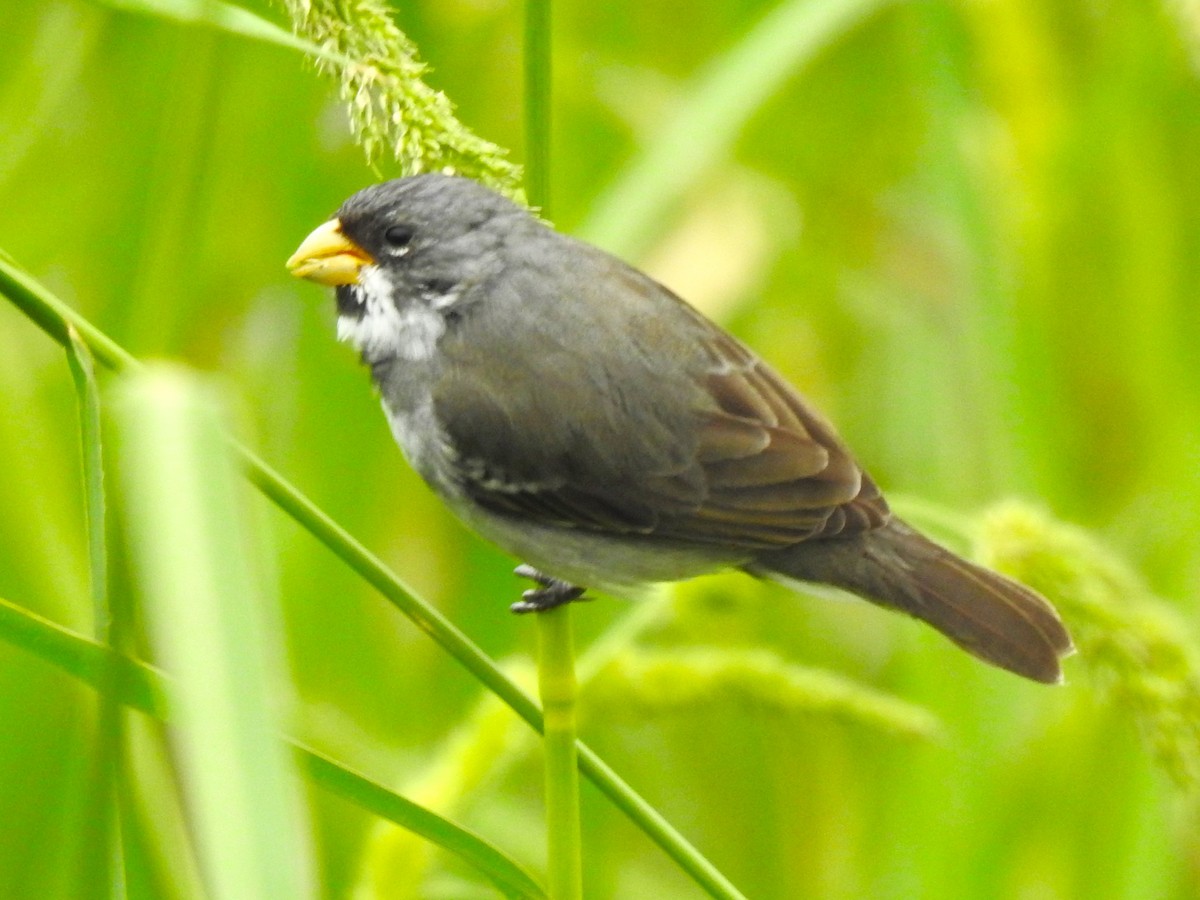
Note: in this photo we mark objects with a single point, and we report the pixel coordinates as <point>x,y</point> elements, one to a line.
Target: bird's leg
<point>552,592</point>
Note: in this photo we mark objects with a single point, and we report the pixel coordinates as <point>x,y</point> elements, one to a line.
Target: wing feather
<point>734,455</point>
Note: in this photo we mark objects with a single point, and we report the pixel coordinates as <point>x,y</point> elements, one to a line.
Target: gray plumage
<point>586,419</point>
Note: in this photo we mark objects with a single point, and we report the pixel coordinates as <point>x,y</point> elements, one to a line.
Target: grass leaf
<point>226,17</point>
<point>146,688</point>
<point>189,544</point>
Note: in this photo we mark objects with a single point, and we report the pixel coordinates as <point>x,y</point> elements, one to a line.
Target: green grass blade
<point>87,397</point>
<point>189,546</point>
<point>55,317</point>
<point>374,572</point>
<point>101,859</point>
<point>538,95</point>
<point>719,103</point>
<point>143,687</point>
<point>137,684</point>
<point>222,16</point>
<point>52,315</point>
<point>655,825</point>
<point>355,788</point>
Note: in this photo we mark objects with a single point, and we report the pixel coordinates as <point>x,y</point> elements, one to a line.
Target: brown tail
<point>990,616</point>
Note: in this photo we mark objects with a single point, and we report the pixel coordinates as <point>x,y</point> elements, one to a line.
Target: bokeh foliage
<point>971,231</point>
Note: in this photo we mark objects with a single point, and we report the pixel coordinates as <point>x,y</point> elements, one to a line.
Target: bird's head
<point>403,254</point>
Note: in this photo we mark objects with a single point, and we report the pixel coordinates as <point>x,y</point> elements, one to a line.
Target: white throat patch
<point>384,331</point>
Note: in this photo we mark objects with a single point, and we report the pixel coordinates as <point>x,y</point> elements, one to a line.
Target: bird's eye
<point>399,236</point>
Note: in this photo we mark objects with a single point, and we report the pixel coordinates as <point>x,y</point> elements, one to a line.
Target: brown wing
<point>751,466</point>
<point>775,471</point>
<point>662,424</point>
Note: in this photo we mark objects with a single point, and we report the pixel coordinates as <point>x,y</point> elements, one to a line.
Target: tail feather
<point>990,616</point>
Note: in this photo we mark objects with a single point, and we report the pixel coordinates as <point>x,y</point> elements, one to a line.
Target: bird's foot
<point>552,592</point>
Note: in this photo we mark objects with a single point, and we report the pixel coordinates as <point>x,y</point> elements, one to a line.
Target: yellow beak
<point>329,257</point>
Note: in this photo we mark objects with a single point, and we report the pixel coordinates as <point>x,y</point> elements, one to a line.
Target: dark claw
<point>553,591</point>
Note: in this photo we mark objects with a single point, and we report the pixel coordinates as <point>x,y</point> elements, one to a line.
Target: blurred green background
<point>969,230</point>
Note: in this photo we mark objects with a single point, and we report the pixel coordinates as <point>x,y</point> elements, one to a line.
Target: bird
<point>581,416</point>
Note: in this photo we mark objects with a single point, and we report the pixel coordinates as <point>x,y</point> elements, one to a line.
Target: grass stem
<point>558,689</point>
<point>537,105</point>
<point>101,856</point>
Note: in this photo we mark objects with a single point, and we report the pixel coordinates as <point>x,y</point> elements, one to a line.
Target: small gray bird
<point>581,416</point>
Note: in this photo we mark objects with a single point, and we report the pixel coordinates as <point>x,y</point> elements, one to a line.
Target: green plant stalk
<point>101,860</point>
<point>641,616</point>
<point>512,880</point>
<point>537,105</point>
<point>559,693</point>
<point>138,685</point>
<point>228,18</point>
<point>87,398</point>
<point>556,654</point>
<point>53,316</point>
<point>146,689</point>
<point>486,745</point>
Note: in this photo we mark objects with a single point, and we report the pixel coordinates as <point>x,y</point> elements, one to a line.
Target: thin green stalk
<point>537,105</point>
<point>556,684</point>
<point>374,572</point>
<point>87,398</point>
<point>101,854</point>
<point>139,685</point>
<point>53,316</point>
<point>230,19</point>
<point>512,880</point>
<point>556,658</point>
